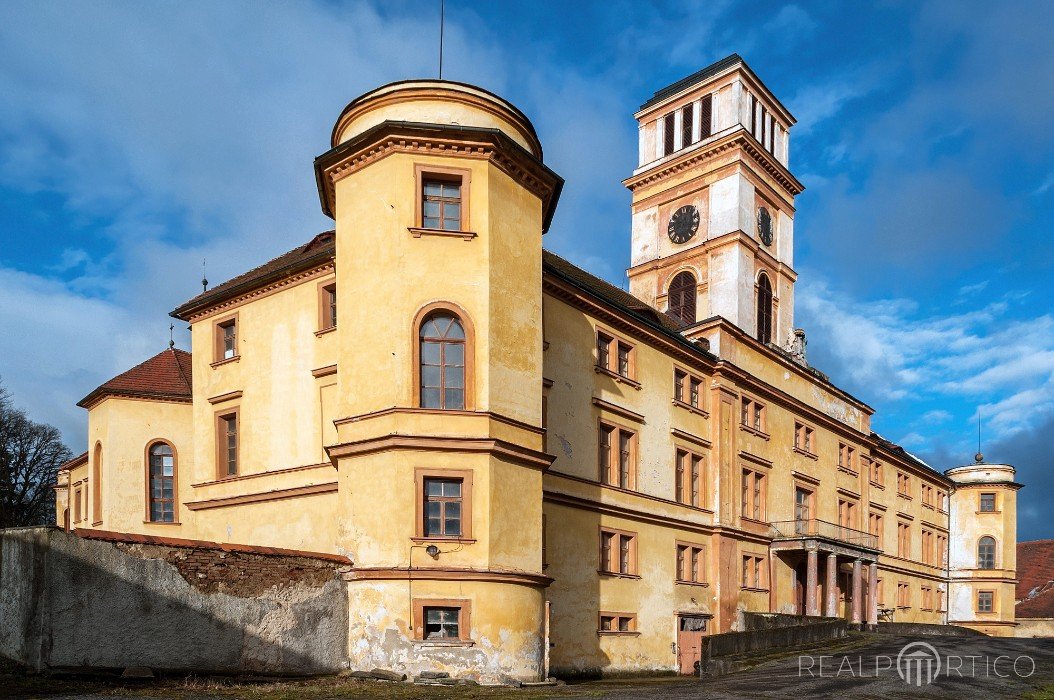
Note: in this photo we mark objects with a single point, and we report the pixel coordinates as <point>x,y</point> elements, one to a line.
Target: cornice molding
<point>446,573</point>
<point>389,443</point>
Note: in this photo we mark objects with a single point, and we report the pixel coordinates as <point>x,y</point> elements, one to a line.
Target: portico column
<point>872,594</point>
<point>811,608</point>
<point>832,585</point>
<point>858,581</point>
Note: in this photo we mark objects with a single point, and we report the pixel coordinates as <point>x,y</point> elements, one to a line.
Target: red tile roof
<point>1035,579</point>
<point>75,462</point>
<point>166,376</point>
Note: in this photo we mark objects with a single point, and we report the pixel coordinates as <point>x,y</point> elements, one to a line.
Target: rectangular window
<point>688,478</point>
<point>442,620</point>
<point>942,501</point>
<point>327,306</point>
<point>802,508</point>
<point>846,458</point>
<point>444,504</point>
<point>618,552</point>
<point>617,623</point>
<point>706,110</point>
<point>227,444</point>
<point>987,502</point>
<point>803,439</point>
<point>942,550</point>
<point>77,504</point>
<point>927,598</point>
<point>874,526</point>
<point>686,124</point>
<point>687,389</point>
<point>442,508</point>
<point>667,134</point>
<point>690,563</point>
<point>927,547</point>
<point>754,575</point>
<point>615,356</point>
<point>847,513</point>
<point>985,601</point>
<point>226,339</point>
<point>876,473</point>
<point>903,485</point>
<point>903,540</point>
<point>441,203</point>
<point>752,415</point>
<point>617,455</point>
<point>903,595</point>
<point>753,495</point>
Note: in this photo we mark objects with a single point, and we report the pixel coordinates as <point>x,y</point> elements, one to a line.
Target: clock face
<point>683,224</point>
<point>764,226</point>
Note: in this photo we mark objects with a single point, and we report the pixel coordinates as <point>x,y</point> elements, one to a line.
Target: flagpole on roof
<point>442,8</point>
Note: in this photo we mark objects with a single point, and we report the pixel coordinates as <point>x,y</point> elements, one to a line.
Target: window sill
<point>616,574</point>
<point>322,331</point>
<point>97,523</point>
<point>690,408</point>
<point>158,522</point>
<point>989,512</point>
<point>616,633</point>
<point>850,472</point>
<point>878,485</point>
<point>754,520</point>
<point>806,453</point>
<point>754,431</point>
<point>905,496</point>
<point>617,377</point>
<point>443,643</point>
<point>225,361</point>
<point>701,584</point>
<point>753,590</point>
<point>459,540</point>
<point>417,232</point>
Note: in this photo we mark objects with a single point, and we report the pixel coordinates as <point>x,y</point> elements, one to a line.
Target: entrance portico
<point>842,549</point>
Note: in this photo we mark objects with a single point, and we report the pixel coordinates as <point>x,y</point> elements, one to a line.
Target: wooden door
<point>690,632</point>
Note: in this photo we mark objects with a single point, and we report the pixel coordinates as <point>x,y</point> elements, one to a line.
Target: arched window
<point>986,553</point>
<point>442,361</point>
<point>682,297</point>
<point>161,490</point>
<point>96,484</point>
<point>764,308</point>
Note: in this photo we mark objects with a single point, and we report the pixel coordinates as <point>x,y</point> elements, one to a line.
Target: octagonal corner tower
<point>440,199</point>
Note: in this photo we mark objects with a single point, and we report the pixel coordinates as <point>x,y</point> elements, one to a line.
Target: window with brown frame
<point>754,572</point>
<point>941,602</point>
<point>227,446</point>
<point>705,116</point>
<point>226,339</point>
<point>803,439</point>
<point>847,458</point>
<point>847,511</point>
<point>444,504</point>
<point>441,202</point>
<point>927,598</point>
<point>327,306</point>
<point>985,601</point>
<point>162,486</point>
<point>942,550</point>
<point>752,415</point>
<point>689,478</point>
<point>691,563</point>
<point>987,503</point>
<point>903,485</point>
<point>77,504</point>
<point>876,473</point>
<point>927,546</point>
<point>687,389</point>
<point>928,498</point>
<point>942,501</point>
<point>753,495</point>
<point>617,623</point>
<point>442,620</point>
<point>874,526</point>
<point>681,298</point>
<point>617,456</point>
<point>618,552</point>
<point>903,595</point>
<point>615,356</point>
<point>442,361</point>
<point>442,507</point>
<point>903,540</point>
<point>764,310</point>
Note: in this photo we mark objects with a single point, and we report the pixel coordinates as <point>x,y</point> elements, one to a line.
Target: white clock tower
<point>713,203</point>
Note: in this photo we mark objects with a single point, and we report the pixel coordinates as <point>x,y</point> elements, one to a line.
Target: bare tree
<point>30,456</point>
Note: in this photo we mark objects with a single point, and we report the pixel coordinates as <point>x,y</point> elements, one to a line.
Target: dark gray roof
<point>697,77</point>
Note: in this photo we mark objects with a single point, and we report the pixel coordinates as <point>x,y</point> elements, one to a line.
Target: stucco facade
<point>622,479</point>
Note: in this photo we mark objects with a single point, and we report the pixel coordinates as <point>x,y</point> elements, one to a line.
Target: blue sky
<point>137,139</point>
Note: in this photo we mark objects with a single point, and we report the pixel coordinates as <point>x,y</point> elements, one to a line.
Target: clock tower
<point>713,203</point>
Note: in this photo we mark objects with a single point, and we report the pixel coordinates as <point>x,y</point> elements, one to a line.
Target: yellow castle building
<point>531,469</point>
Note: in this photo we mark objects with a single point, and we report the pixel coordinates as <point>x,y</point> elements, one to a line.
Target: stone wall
<point>71,602</point>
